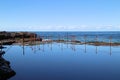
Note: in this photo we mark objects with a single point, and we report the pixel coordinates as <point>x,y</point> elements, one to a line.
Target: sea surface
<point>62,61</point>
<point>103,36</point>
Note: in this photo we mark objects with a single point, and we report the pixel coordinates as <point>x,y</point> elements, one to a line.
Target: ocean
<point>90,36</point>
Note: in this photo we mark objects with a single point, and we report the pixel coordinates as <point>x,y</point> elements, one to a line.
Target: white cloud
<point>64,28</point>
<point>75,28</point>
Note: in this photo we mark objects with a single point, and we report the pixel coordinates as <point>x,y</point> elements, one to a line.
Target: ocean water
<point>62,61</point>
<point>90,36</point>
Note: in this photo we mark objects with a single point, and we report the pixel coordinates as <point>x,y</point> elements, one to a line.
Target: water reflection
<point>96,49</point>
<point>65,45</point>
<point>53,64</point>
<point>5,69</point>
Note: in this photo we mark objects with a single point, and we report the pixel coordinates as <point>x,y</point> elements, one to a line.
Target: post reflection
<point>64,41</point>
<point>96,49</point>
<point>62,47</point>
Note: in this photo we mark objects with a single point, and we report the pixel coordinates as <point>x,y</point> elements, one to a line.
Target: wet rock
<point>8,38</point>
<point>1,47</point>
<point>5,70</point>
<point>11,35</point>
<point>1,53</point>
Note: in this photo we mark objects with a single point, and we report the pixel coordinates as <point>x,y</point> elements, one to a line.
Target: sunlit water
<point>59,61</point>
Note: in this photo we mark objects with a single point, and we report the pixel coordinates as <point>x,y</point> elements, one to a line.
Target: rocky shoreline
<point>8,38</point>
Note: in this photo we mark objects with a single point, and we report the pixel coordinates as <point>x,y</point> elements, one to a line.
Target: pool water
<point>60,61</point>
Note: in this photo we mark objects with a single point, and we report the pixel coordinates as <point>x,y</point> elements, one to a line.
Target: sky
<point>59,15</point>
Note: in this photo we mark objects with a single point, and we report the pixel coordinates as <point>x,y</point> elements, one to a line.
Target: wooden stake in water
<point>96,43</point>
<point>39,43</point>
<point>61,43</point>
<point>85,42</point>
<point>35,38</point>
<point>48,38</point>
<point>23,44</point>
<point>67,36</point>
<point>43,44</point>
<point>73,38</point>
<point>67,39</point>
<point>35,43</point>
<point>51,42</point>
<point>110,45</point>
<point>59,38</point>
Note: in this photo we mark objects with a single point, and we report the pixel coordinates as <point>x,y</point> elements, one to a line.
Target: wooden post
<point>67,36</point>
<point>61,43</point>
<point>39,43</point>
<point>59,39</point>
<point>96,43</point>
<point>110,45</point>
<point>35,38</point>
<point>48,38</point>
<point>51,43</point>
<point>85,42</point>
<point>31,39</point>
<point>73,38</point>
<point>23,44</point>
<point>67,39</point>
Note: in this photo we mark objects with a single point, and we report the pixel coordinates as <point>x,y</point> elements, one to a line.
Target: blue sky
<point>60,15</point>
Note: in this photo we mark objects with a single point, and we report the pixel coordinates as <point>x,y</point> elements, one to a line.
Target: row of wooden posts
<point>67,38</point>
<point>71,46</point>
<point>73,38</point>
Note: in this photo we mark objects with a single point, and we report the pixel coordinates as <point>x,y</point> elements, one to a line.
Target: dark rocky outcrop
<point>12,35</point>
<point>5,70</point>
<point>8,38</point>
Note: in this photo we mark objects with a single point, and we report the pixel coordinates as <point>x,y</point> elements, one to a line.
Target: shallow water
<point>60,61</point>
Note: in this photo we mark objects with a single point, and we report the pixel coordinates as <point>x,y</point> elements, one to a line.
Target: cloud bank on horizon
<point>59,15</point>
<point>64,28</point>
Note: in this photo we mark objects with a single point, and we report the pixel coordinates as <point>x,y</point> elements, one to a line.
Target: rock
<point>11,35</point>
<point>1,53</point>
<point>8,38</point>
<point>5,70</point>
<point>1,47</point>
